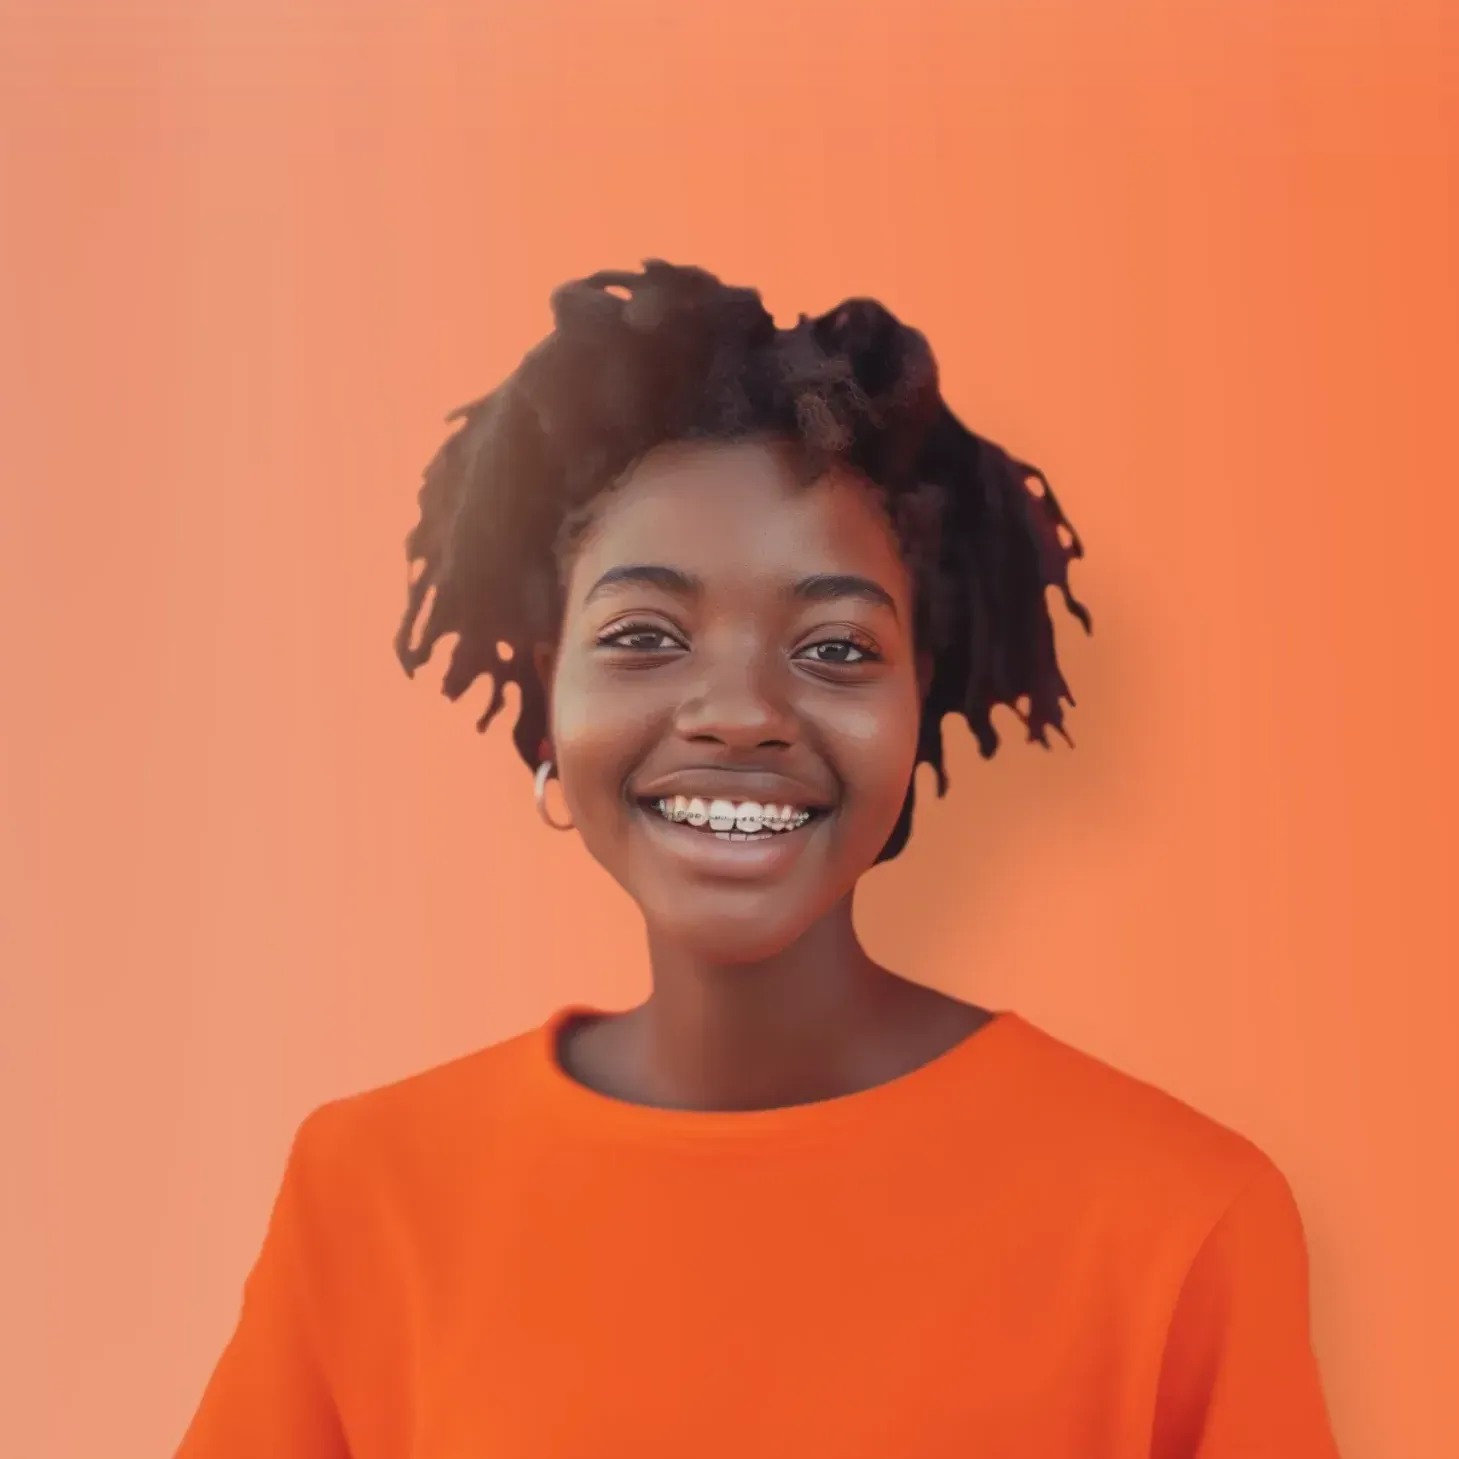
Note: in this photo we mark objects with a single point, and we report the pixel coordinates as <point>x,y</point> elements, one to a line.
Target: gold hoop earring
<point>544,774</point>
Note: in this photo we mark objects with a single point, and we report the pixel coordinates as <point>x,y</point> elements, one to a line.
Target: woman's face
<point>738,645</point>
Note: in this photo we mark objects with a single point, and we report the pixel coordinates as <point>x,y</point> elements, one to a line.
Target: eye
<point>647,638</point>
<point>841,651</point>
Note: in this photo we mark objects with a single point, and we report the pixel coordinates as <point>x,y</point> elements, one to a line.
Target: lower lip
<point>705,852</point>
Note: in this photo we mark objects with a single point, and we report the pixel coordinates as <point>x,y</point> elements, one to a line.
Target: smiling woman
<point>768,660</point>
<point>793,1203</point>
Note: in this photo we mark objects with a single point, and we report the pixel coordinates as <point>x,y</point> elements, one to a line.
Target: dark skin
<point>769,656</point>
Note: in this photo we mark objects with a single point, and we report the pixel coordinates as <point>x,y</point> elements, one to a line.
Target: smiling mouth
<point>732,821</point>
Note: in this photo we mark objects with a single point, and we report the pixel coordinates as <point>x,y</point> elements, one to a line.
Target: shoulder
<point>413,1135</point>
<point>1117,1133</point>
<point>1196,1230</point>
<point>384,1193</point>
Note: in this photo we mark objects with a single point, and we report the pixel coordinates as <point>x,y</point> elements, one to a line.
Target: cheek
<point>598,730</point>
<point>876,741</point>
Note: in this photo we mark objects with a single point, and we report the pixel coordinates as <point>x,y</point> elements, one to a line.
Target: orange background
<point>1197,261</point>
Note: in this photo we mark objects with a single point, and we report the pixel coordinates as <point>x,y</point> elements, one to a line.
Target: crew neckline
<point>589,1109</point>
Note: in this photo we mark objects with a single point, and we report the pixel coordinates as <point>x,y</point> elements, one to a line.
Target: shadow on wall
<point>964,906</point>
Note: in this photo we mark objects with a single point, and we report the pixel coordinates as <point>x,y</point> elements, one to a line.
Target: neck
<point>817,1020</point>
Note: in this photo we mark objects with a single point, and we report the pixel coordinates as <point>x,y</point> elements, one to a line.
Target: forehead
<point>717,507</point>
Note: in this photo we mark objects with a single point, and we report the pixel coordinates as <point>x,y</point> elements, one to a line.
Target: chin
<point>728,930</point>
<point>730,937</point>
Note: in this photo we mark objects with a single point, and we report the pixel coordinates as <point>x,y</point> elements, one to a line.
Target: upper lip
<point>733,785</point>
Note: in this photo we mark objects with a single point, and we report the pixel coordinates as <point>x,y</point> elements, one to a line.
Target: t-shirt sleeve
<point>269,1394</point>
<point>1240,1379</point>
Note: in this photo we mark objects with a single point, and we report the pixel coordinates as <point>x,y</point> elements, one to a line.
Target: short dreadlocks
<point>636,360</point>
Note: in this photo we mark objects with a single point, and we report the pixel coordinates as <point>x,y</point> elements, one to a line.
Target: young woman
<point>793,1204</point>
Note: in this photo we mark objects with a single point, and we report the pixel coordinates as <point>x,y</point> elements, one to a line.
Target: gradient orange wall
<point>1196,261</point>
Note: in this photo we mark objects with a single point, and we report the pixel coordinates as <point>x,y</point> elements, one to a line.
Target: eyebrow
<point>818,588</point>
<point>645,575</point>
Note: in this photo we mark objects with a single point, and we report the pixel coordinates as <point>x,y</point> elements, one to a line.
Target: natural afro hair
<point>636,360</point>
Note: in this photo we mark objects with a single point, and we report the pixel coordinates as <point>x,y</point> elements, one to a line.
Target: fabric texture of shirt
<point>1014,1252</point>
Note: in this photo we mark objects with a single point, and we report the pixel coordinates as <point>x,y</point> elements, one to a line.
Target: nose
<point>739,701</point>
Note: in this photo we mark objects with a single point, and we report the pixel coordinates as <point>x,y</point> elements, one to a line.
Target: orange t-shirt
<point>1014,1251</point>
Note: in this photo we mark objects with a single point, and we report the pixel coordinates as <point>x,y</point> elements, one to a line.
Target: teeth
<point>729,819</point>
<point>749,817</point>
